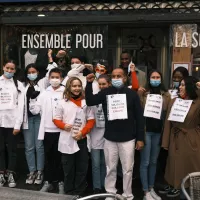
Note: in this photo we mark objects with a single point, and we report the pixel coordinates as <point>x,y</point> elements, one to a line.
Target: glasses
<point>100,70</point>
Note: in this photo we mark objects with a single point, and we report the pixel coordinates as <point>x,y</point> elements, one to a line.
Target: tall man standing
<point>124,128</point>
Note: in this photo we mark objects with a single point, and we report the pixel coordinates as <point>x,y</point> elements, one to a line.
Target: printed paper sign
<point>117,107</point>
<point>6,100</point>
<point>179,110</point>
<point>153,107</point>
<point>77,125</point>
<point>173,93</point>
<point>99,117</point>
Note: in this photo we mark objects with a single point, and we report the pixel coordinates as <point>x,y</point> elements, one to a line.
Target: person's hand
<point>139,145</point>
<point>89,66</point>
<point>68,127</point>
<point>50,53</point>
<point>141,90</point>
<point>198,85</point>
<point>90,78</point>
<point>78,136</point>
<point>16,131</point>
<point>132,67</point>
<point>61,54</point>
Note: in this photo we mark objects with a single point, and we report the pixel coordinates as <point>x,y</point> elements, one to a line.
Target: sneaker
<point>30,178</point>
<point>39,178</point>
<point>148,196</point>
<point>61,188</point>
<point>76,197</point>
<point>154,195</point>
<point>173,193</point>
<point>11,180</point>
<point>2,180</point>
<point>165,190</point>
<point>46,187</point>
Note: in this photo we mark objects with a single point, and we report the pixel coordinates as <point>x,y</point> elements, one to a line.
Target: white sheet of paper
<point>6,100</point>
<point>173,93</point>
<point>179,110</point>
<point>99,117</point>
<point>117,106</point>
<point>153,106</point>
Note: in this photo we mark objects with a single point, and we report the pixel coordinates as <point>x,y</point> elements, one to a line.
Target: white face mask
<point>55,82</point>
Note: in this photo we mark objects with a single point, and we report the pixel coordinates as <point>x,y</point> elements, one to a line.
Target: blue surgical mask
<point>32,77</point>
<point>8,74</point>
<point>97,74</point>
<point>155,83</point>
<point>176,84</point>
<point>117,83</point>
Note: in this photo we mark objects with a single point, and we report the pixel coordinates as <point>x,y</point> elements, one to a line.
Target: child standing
<point>97,142</point>
<point>76,120</point>
<point>11,118</point>
<point>48,132</point>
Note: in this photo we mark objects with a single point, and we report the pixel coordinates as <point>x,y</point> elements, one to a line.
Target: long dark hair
<point>31,65</point>
<point>155,90</point>
<point>190,86</point>
<point>15,76</point>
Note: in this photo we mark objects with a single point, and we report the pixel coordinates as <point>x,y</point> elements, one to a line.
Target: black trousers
<point>53,168</point>
<point>7,137</point>
<point>75,168</point>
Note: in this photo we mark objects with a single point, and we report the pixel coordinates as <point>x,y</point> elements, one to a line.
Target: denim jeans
<point>149,156</point>
<point>34,148</point>
<point>98,168</point>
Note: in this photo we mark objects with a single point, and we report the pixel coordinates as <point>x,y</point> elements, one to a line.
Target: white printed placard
<point>173,93</point>
<point>6,100</point>
<point>99,117</point>
<point>153,106</point>
<point>179,110</point>
<point>117,106</point>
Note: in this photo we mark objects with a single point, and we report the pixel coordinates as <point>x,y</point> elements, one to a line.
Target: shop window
<point>13,48</point>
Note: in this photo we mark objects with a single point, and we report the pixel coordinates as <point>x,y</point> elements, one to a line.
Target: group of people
<point>64,117</point>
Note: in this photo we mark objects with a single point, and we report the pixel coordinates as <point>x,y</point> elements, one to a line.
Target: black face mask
<point>75,96</point>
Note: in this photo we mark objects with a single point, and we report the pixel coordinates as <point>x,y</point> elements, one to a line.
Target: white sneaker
<point>11,180</point>
<point>154,195</point>
<point>30,178</point>
<point>2,180</point>
<point>46,187</point>
<point>39,178</point>
<point>61,188</point>
<point>148,196</point>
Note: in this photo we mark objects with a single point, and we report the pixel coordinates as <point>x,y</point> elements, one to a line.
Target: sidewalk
<point>22,171</point>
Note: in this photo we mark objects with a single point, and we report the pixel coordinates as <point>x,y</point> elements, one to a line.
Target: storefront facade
<point>152,31</point>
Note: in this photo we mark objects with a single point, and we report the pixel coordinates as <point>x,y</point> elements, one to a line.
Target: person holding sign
<point>124,128</point>
<point>45,105</point>
<point>75,119</point>
<point>182,138</point>
<point>178,74</point>
<point>11,115</point>
<point>155,100</point>
<point>97,141</point>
